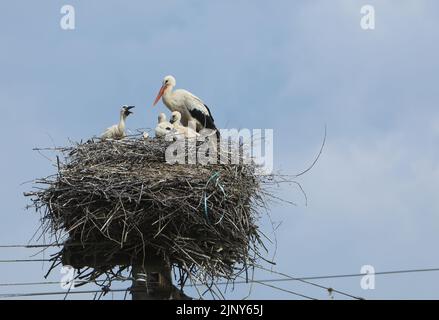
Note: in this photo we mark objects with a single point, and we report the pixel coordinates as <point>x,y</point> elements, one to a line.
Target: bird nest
<point>118,203</point>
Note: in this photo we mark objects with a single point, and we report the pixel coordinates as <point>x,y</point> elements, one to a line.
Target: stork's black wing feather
<point>205,119</point>
<point>210,113</point>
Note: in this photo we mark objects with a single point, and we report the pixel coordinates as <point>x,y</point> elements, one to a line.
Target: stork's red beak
<point>162,90</point>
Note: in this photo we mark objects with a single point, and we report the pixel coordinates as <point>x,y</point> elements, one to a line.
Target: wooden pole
<point>139,290</point>
<point>152,280</point>
<point>152,277</point>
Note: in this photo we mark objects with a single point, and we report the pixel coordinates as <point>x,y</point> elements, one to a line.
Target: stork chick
<point>182,130</point>
<point>117,131</point>
<point>163,127</point>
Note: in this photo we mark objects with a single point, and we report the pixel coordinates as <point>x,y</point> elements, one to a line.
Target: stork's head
<point>175,117</point>
<point>168,83</point>
<point>125,111</point>
<point>162,117</point>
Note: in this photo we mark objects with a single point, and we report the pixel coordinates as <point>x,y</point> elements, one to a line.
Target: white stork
<point>186,132</point>
<point>117,131</point>
<point>163,127</point>
<point>191,108</point>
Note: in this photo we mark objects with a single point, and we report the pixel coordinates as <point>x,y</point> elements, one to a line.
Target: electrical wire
<point>329,289</point>
<point>36,245</point>
<point>262,281</point>
<point>106,290</point>
<point>30,246</point>
<point>288,278</point>
<point>32,294</point>
<point>284,290</point>
<point>25,260</point>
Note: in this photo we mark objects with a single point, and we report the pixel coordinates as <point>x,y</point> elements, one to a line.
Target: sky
<point>294,67</point>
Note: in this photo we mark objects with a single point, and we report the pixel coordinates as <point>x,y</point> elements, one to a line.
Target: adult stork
<point>191,108</point>
<point>117,131</point>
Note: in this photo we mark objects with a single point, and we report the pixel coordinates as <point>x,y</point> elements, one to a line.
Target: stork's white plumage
<point>163,127</point>
<point>117,131</point>
<point>191,108</point>
<point>181,130</point>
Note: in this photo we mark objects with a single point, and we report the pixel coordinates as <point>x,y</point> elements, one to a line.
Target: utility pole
<point>152,276</point>
<point>153,281</point>
<point>139,289</point>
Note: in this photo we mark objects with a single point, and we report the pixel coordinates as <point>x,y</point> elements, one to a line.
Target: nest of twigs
<point>115,203</point>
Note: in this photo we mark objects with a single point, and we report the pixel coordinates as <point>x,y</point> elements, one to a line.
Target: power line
<point>330,290</point>
<point>16,284</point>
<point>286,278</point>
<point>30,246</point>
<point>106,290</point>
<point>350,275</point>
<point>32,294</point>
<point>367,274</point>
<point>284,290</point>
<point>33,246</point>
<point>25,260</point>
<point>302,279</point>
<point>262,282</point>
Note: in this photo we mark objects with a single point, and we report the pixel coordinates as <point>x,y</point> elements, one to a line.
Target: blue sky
<point>290,66</point>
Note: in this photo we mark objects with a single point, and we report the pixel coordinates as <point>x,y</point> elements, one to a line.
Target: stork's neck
<point>177,123</point>
<point>167,94</point>
<point>122,122</point>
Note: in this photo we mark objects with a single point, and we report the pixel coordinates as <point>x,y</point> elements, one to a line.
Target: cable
<point>32,294</point>
<point>351,275</point>
<point>281,289</point>
<point>303,279</point>
<point>12,284</point>
<point>25,260</point>
<point>32,246</point>
<point>366,274</point>
<point>29,246</point>
<point>329,289</point>
<point>287,278</point>
<point>263,282</point>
